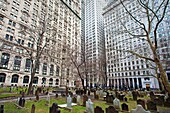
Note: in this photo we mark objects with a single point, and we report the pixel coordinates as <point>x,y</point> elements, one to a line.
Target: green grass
<point>42,108</point>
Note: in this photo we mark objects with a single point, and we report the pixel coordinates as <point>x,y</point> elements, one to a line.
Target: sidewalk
<point>26,98</point>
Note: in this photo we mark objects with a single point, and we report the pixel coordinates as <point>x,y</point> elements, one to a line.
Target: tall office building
<point>124,69</point>
<point>61,15</point>
<point>94,41</point>
<point>83,30</point>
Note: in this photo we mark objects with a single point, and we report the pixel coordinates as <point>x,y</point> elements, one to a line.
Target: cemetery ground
<point>42,107</point>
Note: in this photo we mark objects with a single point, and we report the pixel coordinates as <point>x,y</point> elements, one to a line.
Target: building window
<point>4,60</point>
<point>27,65</point>
<point>51,70</point>
<point>2,77</point>
<point>17,63</point>
<point>44,68</point>
<point>35,80</point>
<point>57,70</point>
<point>14,79</point>
<point>26,79</point>
<point>50,82</point>
<point>57,82</point>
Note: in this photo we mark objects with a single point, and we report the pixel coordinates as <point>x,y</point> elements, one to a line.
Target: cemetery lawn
<point>40,106</point>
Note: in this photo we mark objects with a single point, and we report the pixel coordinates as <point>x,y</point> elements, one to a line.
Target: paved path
<point>26,98</point>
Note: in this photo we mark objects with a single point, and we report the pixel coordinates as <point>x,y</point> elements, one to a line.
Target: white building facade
<point>61,15</point>
<point>125,70</point>
<point>94,42</point>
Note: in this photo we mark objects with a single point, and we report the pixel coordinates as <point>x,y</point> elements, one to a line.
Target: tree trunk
<point>30,84</point>
<point>163,77</point>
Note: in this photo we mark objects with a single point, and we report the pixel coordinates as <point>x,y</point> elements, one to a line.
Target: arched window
<point>57,70</point>
<point>14,79</point>
<point>44,68</point>
<point>50,82</point>
<point>51,69</point>
<point>4,60</point>
<point>17,63</point>
<point>44,80</point>
<point>57,82</point>
<point>2,77</point>
<point>27,65</point>
<point>26,79</point>
<point>35,81</point>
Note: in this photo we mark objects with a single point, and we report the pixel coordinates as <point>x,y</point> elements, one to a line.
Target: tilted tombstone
<point>74,100</point>
<point>116,103</point>
<point>139,109</point>
<point>151,106</point>
<point>141,102</point>
<point>111,109</point>
<point>85,98</point>
<point>89,106</point>
<point>2,109</point>
<point>125,107</point>
<point>33,109</point>
<point>54,108</point>
<point>98,110</point>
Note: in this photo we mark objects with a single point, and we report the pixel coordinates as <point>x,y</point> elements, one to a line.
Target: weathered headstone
<point>125,99</point>
<point>139,109</point>
<point>74,100</point>
<point>116,103</point>
<point>22,102</point>
<point>125,107</point>
<point>151,106</point>
<point>48,100</point>
<point>111,109</point>
<point>69,101</point>
<point>98,110</point>
<point>88,92</point>
<point>134,94</point>
<point>78,99</point>
<point>33,109</point>
<point>85,98</point>
<point>152,96</point>
<point>37,95</point>
<point>56,95</point>
<point>54,108</point>
<point>89,106</point>
<point>141,102</point>
<point>2,109</point>
<point>167,102</point>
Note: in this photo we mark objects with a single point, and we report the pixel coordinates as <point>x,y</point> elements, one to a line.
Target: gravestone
<point>125,99</point>
<point>125,107</point>
<point>22,102</point>
<point>56,95</point>
<point>160,101</point>
<point>116,103</point>
<point>54,108</point>
<point>152,96</point>
<point>2,109</point>
<point>85,98</point>
<point>89,106</point>
<point>95,94</point>
<point>151,106</point>
<point>37,95</point>
<point>167,102</point>
<point>74,100</point>
<point>23,94</point>
<point>47,100</point>
<point>33,109</point>
<point>111,109</point>
<point>135,95</point>
<point>141,102</point>
<point>69,101</point>
<point>88,92</point>
<point>98,110</point>
<point>78,99</point>
<point>139,109</point>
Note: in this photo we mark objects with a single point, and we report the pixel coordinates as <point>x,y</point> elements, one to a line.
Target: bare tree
<point>149,27</point>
